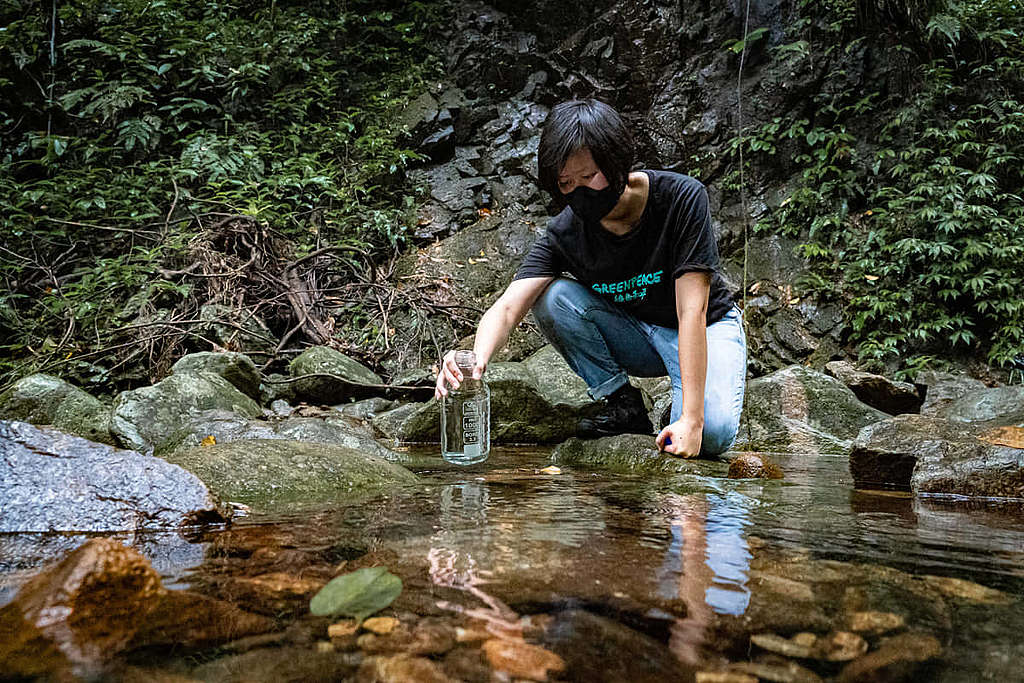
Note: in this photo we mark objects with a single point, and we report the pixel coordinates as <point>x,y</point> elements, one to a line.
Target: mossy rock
<point>46,400</point>
<point>268,472</point>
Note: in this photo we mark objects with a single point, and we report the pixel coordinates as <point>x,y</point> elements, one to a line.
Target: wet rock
<point>412,423</point>
<point>840,646</point>
<point>369,408</point>
<point>380,625</point>
<point>630,453</point>
<point>276,664</point>
<point>225,427</point>
<point>189,620</point>
<point>753,466</point>
<point>801,410</point>
<point>897,659</point>
<point>539,400</point>
<point>942,388</point>
<point>400,669</point>
<point>875,623</point>
<point>779,672</point>
<point>969,591</point>
<point>236,368</point>
<point>877,391</point>
<point>349,374</point>
<point>583,640</point>
<point>931,455</point>
<point>267,472</point>
<point>145,418</point>
<point>76,616</point>
<point>276,387</point>
<point>51,481</point>
<point>271,594</point>
<point>783,646</point>
<point>725,677</point>
<point>1002,406</point>
<point>46,400</point>
<point>522,660</point>
<point>428,637</point>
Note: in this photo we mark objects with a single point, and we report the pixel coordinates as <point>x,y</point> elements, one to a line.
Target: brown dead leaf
<point>1005,436</point>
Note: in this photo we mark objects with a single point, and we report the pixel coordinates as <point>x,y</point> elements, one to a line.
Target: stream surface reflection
<point>680,568</point>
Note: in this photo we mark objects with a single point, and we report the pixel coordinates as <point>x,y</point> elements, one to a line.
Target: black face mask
<point>593,205</point>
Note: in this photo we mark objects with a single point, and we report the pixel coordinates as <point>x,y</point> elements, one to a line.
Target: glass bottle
<point>466,416</point>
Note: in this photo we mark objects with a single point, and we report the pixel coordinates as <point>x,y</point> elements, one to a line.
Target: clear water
<point>627,577</point>
<point>466,424</point>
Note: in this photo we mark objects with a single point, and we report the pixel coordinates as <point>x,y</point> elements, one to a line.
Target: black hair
<point>576,124</point>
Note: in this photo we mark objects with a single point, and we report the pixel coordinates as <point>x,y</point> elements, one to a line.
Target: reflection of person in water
<point>706,566</point>
<point>645,296</point>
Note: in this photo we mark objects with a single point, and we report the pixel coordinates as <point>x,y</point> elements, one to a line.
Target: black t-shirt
<point>638,270</point>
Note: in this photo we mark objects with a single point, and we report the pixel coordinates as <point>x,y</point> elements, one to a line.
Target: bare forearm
<point>693,363</point>
<point>493,330</point>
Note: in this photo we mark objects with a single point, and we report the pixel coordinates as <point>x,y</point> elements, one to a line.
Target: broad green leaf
<point>357,595</point>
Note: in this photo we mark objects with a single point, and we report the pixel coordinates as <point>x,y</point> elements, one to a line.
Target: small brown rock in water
<point>790,672</point>
<point>74,617</point>
<point>841,646</point>
<point>428,637</point>
<point>342,629</point>
<point>400,669</point>
<point>380,625</point>
<point>724,677</point>
<point>875,623</point>
<point>522,660</point>
<point>753,466</point>
<point>780,645</point>
<point>895,659</point>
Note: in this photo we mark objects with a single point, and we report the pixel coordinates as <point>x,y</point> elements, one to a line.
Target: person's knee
<point>557,303</point>
<point>720,431</point>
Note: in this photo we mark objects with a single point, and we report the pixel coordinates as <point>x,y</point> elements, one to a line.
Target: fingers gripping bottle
<point>466,416</point>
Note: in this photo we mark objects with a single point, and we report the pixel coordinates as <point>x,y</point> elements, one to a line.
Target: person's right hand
<point>451,375</point>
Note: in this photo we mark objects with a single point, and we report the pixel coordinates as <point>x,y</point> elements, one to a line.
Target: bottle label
<point>470,424</point>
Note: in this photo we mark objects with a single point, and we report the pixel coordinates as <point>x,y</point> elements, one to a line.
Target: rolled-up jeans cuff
<point>609,386</point>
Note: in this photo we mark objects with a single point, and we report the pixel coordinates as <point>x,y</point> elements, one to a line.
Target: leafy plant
<point>920,234</point>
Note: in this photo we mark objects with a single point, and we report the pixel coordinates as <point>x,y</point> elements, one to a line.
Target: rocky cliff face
<point>665,66</point>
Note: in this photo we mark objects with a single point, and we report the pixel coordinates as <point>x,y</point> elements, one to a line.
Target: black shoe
<point>623,413</point>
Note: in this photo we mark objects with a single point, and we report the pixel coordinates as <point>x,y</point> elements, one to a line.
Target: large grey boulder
<point>268,472</point>
<point>236,368</point>
<point>146,418</point>
<point>877,391</point>
<point>797,409</point>
<point>996,407</point>
<point>932,455</point>
<point>46,400</point>
<point>340,376</point>
<point>631,453</point>
<point>942,388</point>
<point>539,400</point>
<point>224,427</point>
<point>51,481</point>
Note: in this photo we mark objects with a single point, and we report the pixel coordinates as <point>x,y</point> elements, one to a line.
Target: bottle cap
<point>466,360</point>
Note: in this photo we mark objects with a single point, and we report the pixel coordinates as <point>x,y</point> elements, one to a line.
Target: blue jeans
<point>604,344</point>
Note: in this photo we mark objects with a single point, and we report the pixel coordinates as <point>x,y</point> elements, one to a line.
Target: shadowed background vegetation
<point>166,164</point>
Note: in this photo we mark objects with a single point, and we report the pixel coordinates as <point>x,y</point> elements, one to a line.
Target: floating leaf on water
<point>358,594</point>
<point>551,469</point>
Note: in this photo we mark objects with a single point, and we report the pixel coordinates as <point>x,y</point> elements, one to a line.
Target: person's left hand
<point>681,438</point>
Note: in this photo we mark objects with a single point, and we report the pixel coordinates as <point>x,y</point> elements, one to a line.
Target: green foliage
<point>155,118</point>
<point>921,234</point>
<point>357,594</point>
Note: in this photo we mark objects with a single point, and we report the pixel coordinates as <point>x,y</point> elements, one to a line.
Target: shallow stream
<point>626,577</point>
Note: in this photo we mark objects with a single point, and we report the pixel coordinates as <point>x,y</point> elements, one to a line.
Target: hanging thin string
<point>53,69</point>
<point>739,124</point>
